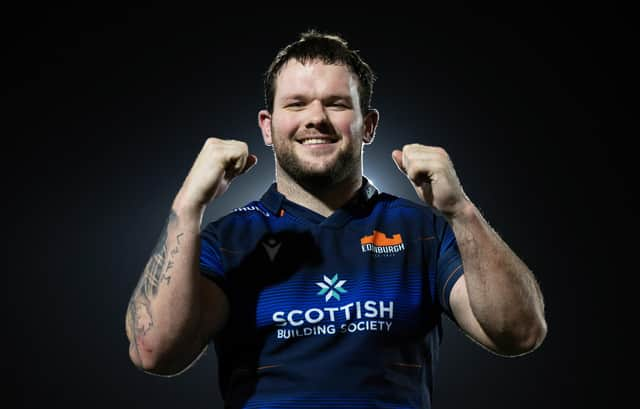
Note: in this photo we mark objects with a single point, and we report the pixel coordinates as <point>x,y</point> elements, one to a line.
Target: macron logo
<point>271,246</point>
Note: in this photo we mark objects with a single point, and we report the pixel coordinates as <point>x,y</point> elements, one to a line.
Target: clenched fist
<point>432,174</point>
<point>217,164</point>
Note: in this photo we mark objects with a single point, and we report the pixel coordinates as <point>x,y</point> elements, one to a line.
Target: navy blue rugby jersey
<point>343,311</point>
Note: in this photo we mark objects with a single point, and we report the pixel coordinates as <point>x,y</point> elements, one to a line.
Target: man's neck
<point>324,200</point>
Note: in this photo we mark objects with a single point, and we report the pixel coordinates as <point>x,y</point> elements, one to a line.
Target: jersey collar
<point>276,201</point>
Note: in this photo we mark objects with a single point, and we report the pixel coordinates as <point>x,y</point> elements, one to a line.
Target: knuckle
<point>242,145</point>
<point>408,150</point>
<point>441,151</point>
<point>212,143</point>
<point>412,149</point>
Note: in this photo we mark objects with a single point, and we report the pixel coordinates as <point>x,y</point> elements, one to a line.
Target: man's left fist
<point>432,174</point>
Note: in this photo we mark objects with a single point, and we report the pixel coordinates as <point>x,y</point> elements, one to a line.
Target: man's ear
<point>264,122</point>
<point>370,125</point>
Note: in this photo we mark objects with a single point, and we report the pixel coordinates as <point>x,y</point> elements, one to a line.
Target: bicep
<point>463,314</point>
<point>214,312</point>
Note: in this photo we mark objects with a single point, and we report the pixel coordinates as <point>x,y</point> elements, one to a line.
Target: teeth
<point>315,141</point>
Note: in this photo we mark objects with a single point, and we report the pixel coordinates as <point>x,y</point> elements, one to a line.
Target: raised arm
<point>174,310</point>
<point>497,301</point>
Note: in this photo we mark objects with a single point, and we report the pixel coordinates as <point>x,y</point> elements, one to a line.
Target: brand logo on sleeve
<point>251,209</point>
<point>380,245</point>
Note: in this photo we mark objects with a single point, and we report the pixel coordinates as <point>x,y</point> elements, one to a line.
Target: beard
<point>345,164</point>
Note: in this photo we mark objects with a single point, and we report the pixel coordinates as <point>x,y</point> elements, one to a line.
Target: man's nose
<point>317,115</point>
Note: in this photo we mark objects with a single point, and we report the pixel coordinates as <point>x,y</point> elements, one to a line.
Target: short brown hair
<point>328,48</point>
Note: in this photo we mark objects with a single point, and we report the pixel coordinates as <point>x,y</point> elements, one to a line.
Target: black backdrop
<point>106,110</point>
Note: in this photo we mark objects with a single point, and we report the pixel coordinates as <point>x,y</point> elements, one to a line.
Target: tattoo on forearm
<point>157,271</point>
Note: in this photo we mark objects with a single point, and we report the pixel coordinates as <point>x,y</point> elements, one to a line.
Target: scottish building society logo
<point>331,288</point>
<point>352,317</point>
<point>380,245</point>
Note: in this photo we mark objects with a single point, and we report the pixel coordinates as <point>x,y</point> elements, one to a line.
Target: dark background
<point>107,109</point>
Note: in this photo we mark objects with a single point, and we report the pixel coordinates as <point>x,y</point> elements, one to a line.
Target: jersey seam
<point>446,283</point>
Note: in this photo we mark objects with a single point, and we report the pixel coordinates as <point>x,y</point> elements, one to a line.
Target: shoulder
<point>252,213</point>
<point>390,203</point>
<point>418,213</point>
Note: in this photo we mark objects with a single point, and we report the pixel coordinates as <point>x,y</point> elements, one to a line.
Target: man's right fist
<point>217,164</point>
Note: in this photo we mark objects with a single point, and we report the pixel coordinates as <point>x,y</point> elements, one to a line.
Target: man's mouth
<point>317,140</point>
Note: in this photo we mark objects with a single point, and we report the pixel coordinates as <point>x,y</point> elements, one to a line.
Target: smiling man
<point>326,292</point>
<point>317,128</point>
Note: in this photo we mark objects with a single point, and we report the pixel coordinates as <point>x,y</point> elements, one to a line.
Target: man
<point>326,292</point>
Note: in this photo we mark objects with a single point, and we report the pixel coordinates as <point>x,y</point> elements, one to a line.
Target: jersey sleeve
<point>449,268</point>
<point>211,262</point>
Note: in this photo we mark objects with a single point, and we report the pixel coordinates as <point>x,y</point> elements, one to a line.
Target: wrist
<point>464,212</point>
<point>188,210</point>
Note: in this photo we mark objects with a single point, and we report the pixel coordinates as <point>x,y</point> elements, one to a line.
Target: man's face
<point>316,127</point>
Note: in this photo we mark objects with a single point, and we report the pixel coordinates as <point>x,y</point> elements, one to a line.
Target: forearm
<point>503,293</point>
<point>163,316</point>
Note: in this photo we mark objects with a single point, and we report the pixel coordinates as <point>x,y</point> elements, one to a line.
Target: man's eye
<point>294,104</point>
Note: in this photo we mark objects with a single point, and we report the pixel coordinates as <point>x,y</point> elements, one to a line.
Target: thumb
<point>251,162</point>
<point>396,155</point>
